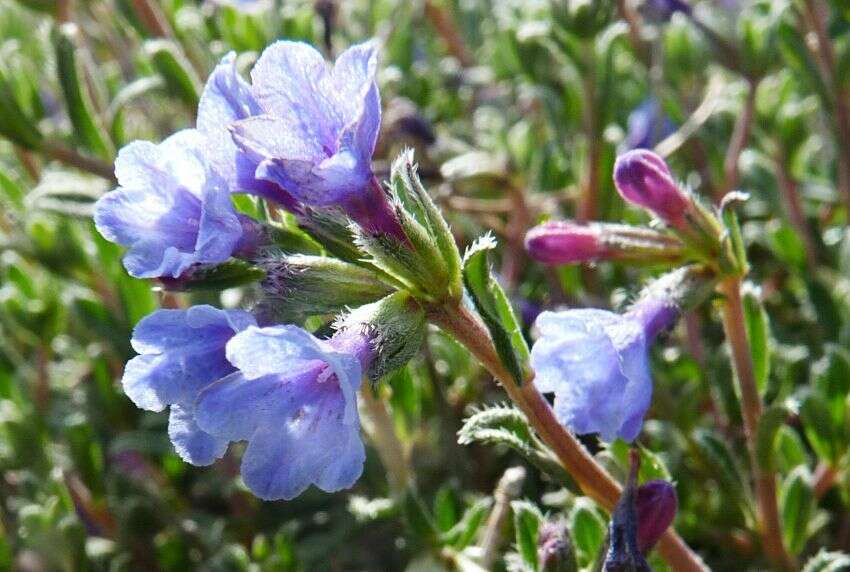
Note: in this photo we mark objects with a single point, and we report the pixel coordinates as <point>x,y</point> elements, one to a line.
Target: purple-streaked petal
<point>313,445</point>
<point>291,81</point>
<point>353,83</point>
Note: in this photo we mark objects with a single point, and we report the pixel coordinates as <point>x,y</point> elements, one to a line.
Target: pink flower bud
<point>565,243</point>
<point>643,178</point>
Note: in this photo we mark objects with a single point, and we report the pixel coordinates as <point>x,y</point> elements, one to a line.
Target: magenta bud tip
<point>643,178</point>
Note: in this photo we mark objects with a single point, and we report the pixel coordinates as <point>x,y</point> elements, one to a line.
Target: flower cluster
<point>596,361</point>
<point>300,135</point>
<point>290,395</point>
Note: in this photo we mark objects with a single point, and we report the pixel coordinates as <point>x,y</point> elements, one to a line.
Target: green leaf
<point>15,123</point>
<point>417,517</point>
<point>722,463</point>
<point>89,132</point>
<point>771,420</point>
<point>832,380</point>
<point>651,464</point>
<point>172,65</point>
<point>465,531</point>
<point>825,561</point>
<point>67,192</point>
<point>588,531</point>
<point>820,431</point>
<point>527,521</point>
<point>495,309</point>
<point>445,508</point>
<point>758,334</point>
<point>790,451</point>
<point>796,502</point>
<point>826,308</point>
<point>506,425</point>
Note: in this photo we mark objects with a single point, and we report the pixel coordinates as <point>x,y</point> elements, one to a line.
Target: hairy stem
<point>594,481</point>
<point>734,326</point>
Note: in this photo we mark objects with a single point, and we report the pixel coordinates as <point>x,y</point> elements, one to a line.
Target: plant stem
<point>789,191</point>
<point>814,17</point>
<point>70,156</point>
<point>734,326</point>
<point>594,481</point>
<point>446,29</point>
<point>381,430</point>
<point>740,135</point>
<point>509,487</point>
<point>588,206</point>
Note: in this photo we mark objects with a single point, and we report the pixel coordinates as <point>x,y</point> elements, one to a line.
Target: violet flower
<point>294,401</point>
<point>227,98</point>
<point>180,353</point>
<point>171,209</point>
<point>318,129</point>
<point>596,363</point>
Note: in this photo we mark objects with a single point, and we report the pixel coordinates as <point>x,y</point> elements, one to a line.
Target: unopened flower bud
<point>297,286</point>
<point>643,178</point>
<point>656,506</point>
<point>565,242</point>
<point>640,519</point>
<point>396,327</point>
<point>561,242</point>
<point>554,549</point>
<point>623,553</point>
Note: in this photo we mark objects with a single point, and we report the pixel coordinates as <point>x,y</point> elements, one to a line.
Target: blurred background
<point>516,110</point>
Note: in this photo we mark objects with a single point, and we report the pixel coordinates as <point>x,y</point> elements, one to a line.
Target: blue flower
<point>596,363</point>
<point>320,125</point>
<point>226,99</point>
<point>171,209</point>
<point>180,353</point>
<point>294,401</point>
<point>303,133</point>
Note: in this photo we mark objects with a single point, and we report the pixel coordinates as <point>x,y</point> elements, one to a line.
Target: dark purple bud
<point>643,178</point>
<point>565,243</point>
<point>554,551</point>
<point>623,553</point>
<point>656,508</point>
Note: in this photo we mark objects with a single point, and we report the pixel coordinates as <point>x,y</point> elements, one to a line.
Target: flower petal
<point>291,81</point>
<point>311,446</point>
<point>182,351</point>
<point>191,443</point>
